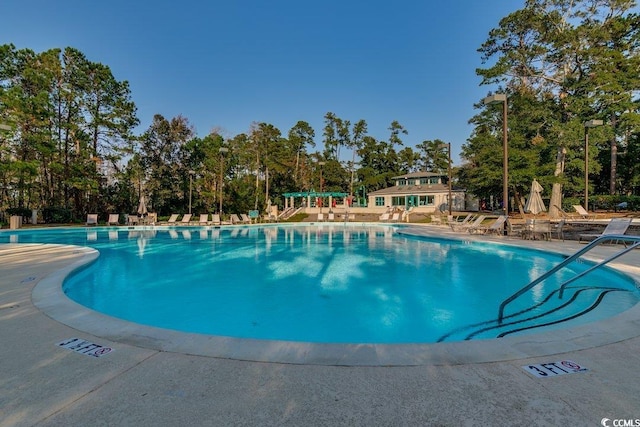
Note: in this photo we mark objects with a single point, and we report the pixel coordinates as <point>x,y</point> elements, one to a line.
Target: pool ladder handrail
<point>598,241</point>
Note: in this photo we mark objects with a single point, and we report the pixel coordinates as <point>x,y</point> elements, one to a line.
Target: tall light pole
<point>191,173</point>
<point>223,151</point>
<point>448,147</point>
<point>495,99</point>
<point>321,184</point>
<point>588,124</point>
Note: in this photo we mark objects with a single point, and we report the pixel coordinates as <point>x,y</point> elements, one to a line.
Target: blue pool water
<point>327,283</point>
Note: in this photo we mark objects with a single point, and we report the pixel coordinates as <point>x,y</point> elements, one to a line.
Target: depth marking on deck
<point>85,347</point>
<point>553,369</point>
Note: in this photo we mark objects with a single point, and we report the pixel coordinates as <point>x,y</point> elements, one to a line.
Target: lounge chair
<point>584,214</point>
<point>92,219</point>
<point>558,229</point>
<point>152,218</point>
<point>461,224</point>
<point>114,219</point>
<point>617,226</point>
<point>331,216</point>
<point>464,226</point>
<point>215,219</point>
<point>245,218</point>
<point>395,217</point>
<point>204,219</point>
<point>235,219</point>
<point>320,217</point>
<point>496,227</point>
<point>384,217</point>
<point>186,219</point>
<point>173,218</point>
<point>133,220</point>
<point>534,228</point>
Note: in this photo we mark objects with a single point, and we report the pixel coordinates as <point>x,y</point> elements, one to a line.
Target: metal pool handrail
<point>598,241</point>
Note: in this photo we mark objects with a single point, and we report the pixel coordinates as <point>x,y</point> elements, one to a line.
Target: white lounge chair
<point>92,219</point>
<point>617,226</point>
<point>464,226</point>
<point>395,217</point>
<point>584,214</point>
<point>215,219</point>
<point>384,217</point>
<point>114,219</point>
<point>245,218</point>
<point>320,217</point>
<point>496,227</point>
<point>173,218</point>
<point>235,219</point>
<point>204,219</point>
<point>331,216</point>
<point>186,219</point>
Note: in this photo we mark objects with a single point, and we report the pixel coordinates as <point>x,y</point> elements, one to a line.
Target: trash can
<point>15,222</point>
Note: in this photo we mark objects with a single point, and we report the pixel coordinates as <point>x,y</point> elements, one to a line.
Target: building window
<point>426,200</point>
<point>398,201</point>
<point>401,182</point>
<point>379,201</point>
<point>430,181</point>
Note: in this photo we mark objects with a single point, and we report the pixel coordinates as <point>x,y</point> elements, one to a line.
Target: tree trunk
<point>614,157</point>
<point>556,191</point>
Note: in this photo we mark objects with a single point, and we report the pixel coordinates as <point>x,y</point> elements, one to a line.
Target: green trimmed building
<point>423,191</point>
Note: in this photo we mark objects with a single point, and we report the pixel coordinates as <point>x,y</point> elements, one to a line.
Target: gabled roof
<point>422,174</point>
<point>414,190</point>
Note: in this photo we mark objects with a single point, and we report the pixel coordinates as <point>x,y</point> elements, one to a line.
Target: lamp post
<point>495,99</point>
<point>321,184</point>
<point>223,151</point>
<point>191,173</point>
<point>448,147</point>
<point>588,124</point>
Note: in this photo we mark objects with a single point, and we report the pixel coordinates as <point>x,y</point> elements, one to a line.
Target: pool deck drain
<point>156,378</point>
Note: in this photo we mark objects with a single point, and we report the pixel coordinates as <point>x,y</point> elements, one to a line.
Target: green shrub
<point>56,215</point>
<point>23,212</point>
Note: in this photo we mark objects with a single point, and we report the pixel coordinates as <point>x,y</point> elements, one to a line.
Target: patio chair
<point>235,219</point>
<point>186,219</point>
<point>384,217</point>
<point>464,226</point>
<point>320,217</point>
<point>114,219</point>
<point>617,226</point>
<point>466,220</point>
<point>331,216</point>
<point>584,214</point>
<point>173,218</point>
<point>395,217</point>
<point>558,229</point>
<point>152,218</point>
<point>92,219</point>
<point>204,219</point>
<point>436,219</point>
<point>245,218</point>
<point>496,227</point>
<point>215,219</point>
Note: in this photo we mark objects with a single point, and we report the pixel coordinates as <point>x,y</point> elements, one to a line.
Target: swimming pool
<point>327,283</point>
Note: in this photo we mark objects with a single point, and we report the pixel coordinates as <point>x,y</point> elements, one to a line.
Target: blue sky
<point>226,64</point>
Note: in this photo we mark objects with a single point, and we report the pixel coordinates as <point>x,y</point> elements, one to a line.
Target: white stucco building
<point>422,191</point>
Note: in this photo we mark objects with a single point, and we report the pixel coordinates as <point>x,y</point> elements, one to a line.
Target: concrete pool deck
<point>179,380</point>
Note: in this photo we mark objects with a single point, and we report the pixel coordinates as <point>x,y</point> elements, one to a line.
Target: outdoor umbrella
<point>142,207</point>
<point>535,205</point>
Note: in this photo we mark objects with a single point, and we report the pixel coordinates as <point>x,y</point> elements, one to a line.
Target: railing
<point>600,240</point>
